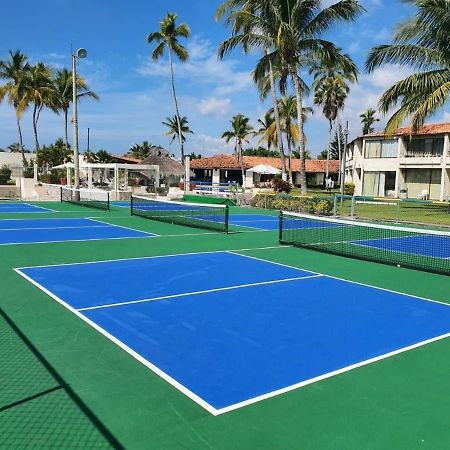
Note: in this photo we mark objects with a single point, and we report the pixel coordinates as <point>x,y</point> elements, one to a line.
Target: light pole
<point>79,54</point>
<point>344,160</point>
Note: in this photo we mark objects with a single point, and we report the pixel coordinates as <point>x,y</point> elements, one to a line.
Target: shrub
<point>50,178</point>
<point>5,174</point>
<point>349,188</point>
<point>280,185</point>
<point>285,202</point>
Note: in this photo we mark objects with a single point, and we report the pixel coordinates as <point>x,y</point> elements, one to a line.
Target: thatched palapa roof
<point>168,166</point>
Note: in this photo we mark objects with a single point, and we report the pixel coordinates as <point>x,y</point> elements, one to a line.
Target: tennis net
<point>427,250</point>
<point>207,216</point>
<point>86,197</point>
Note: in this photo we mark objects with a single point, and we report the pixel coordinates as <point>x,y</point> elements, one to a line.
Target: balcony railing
<point>424,154</point>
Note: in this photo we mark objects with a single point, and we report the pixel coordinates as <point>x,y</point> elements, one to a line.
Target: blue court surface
<point>229,330</point>
<point>426,245</point>
<point>13,207</point>
<point>25,231</point>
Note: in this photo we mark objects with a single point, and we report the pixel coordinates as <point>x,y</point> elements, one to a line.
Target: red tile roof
<point>431,129</point>
<point>229,162</point>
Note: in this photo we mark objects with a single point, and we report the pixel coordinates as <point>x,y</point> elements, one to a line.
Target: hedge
<point>301,204</point>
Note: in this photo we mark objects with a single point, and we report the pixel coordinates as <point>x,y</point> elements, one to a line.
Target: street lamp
<point>81,53</point>
<point>344,160</point>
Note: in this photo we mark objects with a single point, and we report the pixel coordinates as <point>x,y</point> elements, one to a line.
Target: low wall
<point>9,192</point>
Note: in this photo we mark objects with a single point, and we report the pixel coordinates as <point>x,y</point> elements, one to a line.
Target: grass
<point>400,402</point>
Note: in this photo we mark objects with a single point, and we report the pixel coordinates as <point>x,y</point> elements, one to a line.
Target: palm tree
<point>90,157</point>
<point>240,131</point>
<point>41,93</point>
<point>266,130</point>
<point>64,95</point>
<point>16,72</point>
<point>331,93</point>
<point>142,151</point>
<point>168,37</point>
<point>241,35</point>
<point>367,120</point>
<point>422,43</point>
<point>292,30</point>
<point>174,126</point>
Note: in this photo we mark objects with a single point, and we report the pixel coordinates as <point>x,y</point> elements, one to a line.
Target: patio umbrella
<point>264,169</point>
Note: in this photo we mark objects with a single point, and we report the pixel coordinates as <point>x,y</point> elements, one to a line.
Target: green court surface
<point>64,385</point>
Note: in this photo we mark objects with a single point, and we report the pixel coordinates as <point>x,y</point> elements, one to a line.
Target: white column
<point>116,178</point>
<point>216,176</point>
<point>89,178</point>
<point>398,174</point>
<point>187,174</point>
<point>69,176</point>
<point>444,176</point>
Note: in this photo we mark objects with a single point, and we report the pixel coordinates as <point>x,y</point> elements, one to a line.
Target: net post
<point>108,201</point>
<point>131,205</point>
<point>227,219</point>
<point>280,228</point>
<point>61,194</point>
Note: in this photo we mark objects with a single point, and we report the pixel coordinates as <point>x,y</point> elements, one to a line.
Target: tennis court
<point>27,231</point>
<point>19,207</point>
<point>199,339</point>
<point>228,338</point>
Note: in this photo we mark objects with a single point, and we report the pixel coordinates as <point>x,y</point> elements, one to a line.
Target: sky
<point>135,95</point>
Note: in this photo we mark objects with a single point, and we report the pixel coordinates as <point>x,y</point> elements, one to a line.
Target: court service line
<point>206,291</point>
<point>172,255</point>
<point>121,226</point>
<point>51,228</point>
<point>80,240</point>
<point>343,279</point>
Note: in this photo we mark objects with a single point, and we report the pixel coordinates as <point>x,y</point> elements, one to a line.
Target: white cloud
<point>209,145</point>
<point>224,77</point>
<point>214,106</point>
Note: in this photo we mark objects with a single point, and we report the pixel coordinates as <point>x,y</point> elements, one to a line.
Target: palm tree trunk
<point>180,134</point>
<point>330,139</point>
<point>66,128</point>
<point>241,161</point>
<point>20,137</point>
<point>35,120</point>
<point>289,144</point>
<point>299,98</point>
<point>276,114</point>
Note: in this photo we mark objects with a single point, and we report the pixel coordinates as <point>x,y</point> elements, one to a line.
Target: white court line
<point>77,240</point>
<point>162,256</point>
<point>121,226</point>
<point>206,405</point>
<point>51,228</point>
<point>206,291</point>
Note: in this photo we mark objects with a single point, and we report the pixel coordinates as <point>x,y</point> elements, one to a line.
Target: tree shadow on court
<point>38,409</point>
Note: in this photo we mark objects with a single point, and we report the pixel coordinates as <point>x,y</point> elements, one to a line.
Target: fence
<point>393,210</point>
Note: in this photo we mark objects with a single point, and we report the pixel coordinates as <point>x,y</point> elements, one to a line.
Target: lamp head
<point>81,53</point>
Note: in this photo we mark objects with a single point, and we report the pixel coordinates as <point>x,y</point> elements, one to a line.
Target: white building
<point>404,165</point>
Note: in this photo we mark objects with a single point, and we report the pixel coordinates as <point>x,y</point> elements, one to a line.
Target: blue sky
<point>135,91</point>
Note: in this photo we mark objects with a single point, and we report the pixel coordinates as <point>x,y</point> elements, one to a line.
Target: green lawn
<point>63,385</point>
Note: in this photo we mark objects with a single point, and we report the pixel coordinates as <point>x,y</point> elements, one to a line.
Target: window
<point>386,148</point>
<point>423,147</point>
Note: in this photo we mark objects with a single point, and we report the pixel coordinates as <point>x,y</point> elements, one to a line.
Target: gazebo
<point>115,177</point>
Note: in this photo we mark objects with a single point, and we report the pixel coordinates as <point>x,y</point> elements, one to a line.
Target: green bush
<point>5,174</point>
<point>349,189</point>
<point>50,178</point>
<point>306,205</point>
<point>280,185</point>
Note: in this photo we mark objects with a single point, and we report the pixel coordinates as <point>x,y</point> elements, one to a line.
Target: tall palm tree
<point>422,43</point>
<point>240,131</point>
<point>16,72</point>
<point>41,93</point>
<point>331,93</point>
<point>174,126</point>
<point>64,95</point>
<point>287,106</point>
<point>292,30</point>
<point>168,37</point>
<point>367,120</point>
<point>241,35</point>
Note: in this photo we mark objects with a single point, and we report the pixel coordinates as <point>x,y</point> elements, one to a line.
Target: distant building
<point>406,164</point>
<point>225,169</point>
